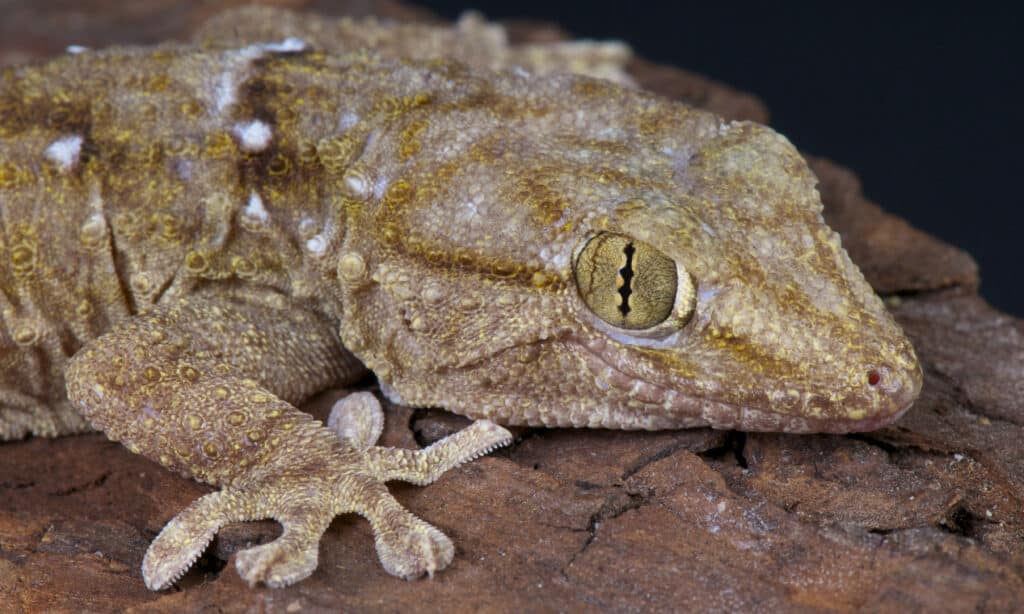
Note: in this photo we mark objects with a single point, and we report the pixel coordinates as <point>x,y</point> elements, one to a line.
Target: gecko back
<point>132,177</point>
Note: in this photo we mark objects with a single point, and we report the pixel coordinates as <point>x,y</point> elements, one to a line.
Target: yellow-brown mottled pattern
<point>198,238</point>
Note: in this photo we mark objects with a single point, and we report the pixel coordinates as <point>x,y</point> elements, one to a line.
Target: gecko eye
<point>628,283</point>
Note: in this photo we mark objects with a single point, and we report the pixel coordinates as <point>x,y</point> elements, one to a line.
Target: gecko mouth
<point>672,408</point>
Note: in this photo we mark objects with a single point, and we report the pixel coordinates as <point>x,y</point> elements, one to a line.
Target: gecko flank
<point>195,239</point>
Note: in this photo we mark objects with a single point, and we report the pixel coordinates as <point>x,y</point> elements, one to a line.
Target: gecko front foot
<point>305,500</point>
<point>298,504</point>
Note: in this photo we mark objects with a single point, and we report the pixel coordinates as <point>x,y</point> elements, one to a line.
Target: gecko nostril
<point>874,377</point>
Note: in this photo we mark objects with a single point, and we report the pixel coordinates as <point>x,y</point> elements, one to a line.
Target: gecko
<point>197,237</point>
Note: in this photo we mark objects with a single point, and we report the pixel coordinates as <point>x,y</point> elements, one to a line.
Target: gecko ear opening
<point>629,284</point>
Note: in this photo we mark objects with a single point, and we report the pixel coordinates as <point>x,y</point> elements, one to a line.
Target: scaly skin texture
<point>194,239</point>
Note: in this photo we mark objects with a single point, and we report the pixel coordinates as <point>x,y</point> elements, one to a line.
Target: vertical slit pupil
<point>627,277</point>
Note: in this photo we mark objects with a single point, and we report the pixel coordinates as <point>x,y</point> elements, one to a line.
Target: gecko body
<point>195,239</point>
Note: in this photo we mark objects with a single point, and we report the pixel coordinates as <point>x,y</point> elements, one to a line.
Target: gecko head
<point>728,301</point>
<point>620,261</point>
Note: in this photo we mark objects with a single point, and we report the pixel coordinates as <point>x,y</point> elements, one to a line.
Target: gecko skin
<point>193,240</point>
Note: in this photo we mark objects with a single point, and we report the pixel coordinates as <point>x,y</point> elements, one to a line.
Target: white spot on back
<point>316,244</point>
<point>348,120</point>
<point>357,183</point>
<point>519,71</point>
<point>307,227</point>
<point>255,208</point>
<point>76,49</point>
<point>224,96</point>
<point>184,169</point>
<point>64,152</point>
<point>225,89</point>
<point>724,128</point>
<point>95,200</point>
<point>379,187</point>
<point>288,45</point>
<point>254,135</point>
<point>371,140</point>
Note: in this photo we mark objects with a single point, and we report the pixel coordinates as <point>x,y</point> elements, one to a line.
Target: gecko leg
<point>407,546</point>
<point>207,388</point>
<point>358,418</point>
<point>422,467</point>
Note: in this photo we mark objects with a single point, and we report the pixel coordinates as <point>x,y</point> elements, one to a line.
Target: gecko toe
<point>280,563</point>
<point>357,419</point>
<point>417,550</point>
<point>175,550</point>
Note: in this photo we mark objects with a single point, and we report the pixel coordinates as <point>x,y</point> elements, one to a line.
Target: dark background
<point>923,103</point>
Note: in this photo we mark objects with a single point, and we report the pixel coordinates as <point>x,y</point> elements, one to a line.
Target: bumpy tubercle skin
<point>194,241</point>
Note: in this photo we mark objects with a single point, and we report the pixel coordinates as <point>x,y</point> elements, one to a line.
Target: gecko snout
<point>891,391</point>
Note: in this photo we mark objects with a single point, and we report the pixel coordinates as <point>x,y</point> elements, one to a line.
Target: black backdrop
<point>923,103</point>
